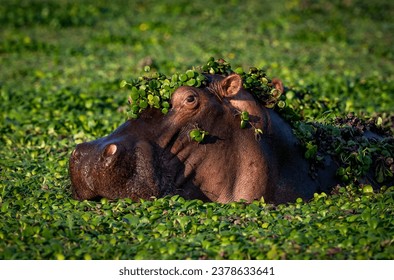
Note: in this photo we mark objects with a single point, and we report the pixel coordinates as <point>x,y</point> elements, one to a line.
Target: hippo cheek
<point>126,172</point>
<point>142,178</point>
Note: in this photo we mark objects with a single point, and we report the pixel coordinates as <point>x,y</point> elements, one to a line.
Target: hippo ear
<point>231,85</point>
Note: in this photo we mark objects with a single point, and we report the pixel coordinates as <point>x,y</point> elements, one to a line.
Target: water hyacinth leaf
<point>165,104</point>
<point>239,70</point>
<point>197,135</point>
<point>258,131</point>
<point>368,189</point>
<point>281,104</point>
<point>191,82</point>
<point>245,116</point>
<point>341,171</point>
<point>183,222</point>
<point>135,108</point>
<point>190,73</point>
<point>145,89</point>
<point>265,225</point>
<point>123,83</point>
<point>174,78</point>
<point>134,95</point>
<point>156,101</point>
<point>131,219</point>
<point>38,221</point>
<point>270,105</point>
<point>183,77</point>
<point>142,92</point>
<point>276,93</point>
<point>143,104</point>
<point>153,84</point>
<point>311,150</point>
<point>200,77</point>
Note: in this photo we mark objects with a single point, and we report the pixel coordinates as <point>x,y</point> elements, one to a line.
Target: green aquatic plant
<point>155,89</point>
<point>61,65</point>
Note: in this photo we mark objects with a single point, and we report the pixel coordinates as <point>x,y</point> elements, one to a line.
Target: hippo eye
<point>190,99</point>
<point>185,97</point>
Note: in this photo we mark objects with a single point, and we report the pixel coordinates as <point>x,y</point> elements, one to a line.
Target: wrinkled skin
<point>153,156</point>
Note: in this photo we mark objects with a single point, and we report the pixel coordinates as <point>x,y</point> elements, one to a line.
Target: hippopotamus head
<point>155,155</point>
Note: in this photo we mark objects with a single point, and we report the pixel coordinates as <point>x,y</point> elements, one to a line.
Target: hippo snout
<point>87,163</point>
<point>113,167</point>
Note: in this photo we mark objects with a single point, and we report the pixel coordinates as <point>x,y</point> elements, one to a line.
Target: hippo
<point>155,156</point>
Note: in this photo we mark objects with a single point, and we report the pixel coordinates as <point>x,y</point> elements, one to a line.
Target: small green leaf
<point>131,219</point>
<point>245,116</point>
<point>123,83</point>
<point>265,225</point>
<point>190,73</point>
<point>174,78</point>
<point>239,71</point>
<point>281,104</point>
<point>183,77</point>
<point>143,104</point>
<point>85,217</point>
<point>341,171</point>
<point>195,133</point>
<point>368,189</point>
<point>379,121</point>
<point>60,256</point>
<point>258,131</point>
<point>134,95</point>
<point>191,82</point>
<point>276,93</point>
<point>198,135</point>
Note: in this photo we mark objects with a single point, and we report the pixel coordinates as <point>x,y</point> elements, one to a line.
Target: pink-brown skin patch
<point>153,156</point>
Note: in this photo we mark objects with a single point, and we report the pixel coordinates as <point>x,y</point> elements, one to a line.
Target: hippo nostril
<point>110,150</point>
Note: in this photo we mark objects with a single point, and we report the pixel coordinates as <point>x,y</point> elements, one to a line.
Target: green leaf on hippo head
<point>183,77</point>
<point>191,82</point>
<point>245,116</point>
<point>190,73</point>
<point>197,135</point>
<point>281,104</point>
<point>143,104</point>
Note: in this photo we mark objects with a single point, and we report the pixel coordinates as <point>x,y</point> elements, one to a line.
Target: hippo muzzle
<point>108,168</point>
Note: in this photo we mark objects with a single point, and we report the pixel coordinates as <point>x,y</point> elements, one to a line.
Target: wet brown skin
<point>153,156</point>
